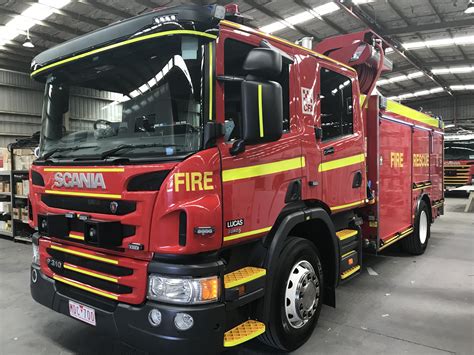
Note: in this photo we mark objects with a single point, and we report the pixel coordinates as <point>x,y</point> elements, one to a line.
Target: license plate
<point>81,312</point>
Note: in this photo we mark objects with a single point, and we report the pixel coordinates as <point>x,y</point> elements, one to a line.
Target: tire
<point>298,272</point>
<point>417,242</point>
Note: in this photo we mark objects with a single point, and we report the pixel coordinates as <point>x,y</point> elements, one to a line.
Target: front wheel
<point>417,242</point>
<point>296,297</point>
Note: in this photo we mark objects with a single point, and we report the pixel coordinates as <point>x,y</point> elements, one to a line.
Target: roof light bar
<point>305,16</point>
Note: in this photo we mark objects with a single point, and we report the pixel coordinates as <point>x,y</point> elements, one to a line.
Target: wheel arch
<point>300,222</point>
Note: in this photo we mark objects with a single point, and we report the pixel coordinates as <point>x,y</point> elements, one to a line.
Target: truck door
<point>255,182</point>
<point>342,144</point>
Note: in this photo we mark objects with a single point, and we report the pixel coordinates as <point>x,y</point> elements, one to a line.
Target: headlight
<point>183,290</point>
<point>36,254</point>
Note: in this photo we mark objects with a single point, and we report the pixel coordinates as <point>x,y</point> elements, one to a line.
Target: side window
<point>336,105</point>
<point>235,53</point>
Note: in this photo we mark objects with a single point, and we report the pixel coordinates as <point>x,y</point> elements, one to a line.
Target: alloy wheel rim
<point>302,294</point>
<point>423,227</point>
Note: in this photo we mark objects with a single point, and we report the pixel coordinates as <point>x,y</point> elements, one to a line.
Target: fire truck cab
<point>201,183</point>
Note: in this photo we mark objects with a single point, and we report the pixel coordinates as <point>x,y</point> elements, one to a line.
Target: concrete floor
<point>414,305</point>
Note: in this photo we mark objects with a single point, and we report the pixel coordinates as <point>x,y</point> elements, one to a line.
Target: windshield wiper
<point>58,150</point>
<point>109,152</point>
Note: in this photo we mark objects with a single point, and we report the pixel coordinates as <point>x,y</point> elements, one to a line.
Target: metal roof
<point>440,33</point>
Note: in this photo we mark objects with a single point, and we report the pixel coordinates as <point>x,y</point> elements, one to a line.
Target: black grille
<point>148,182</point>
<point>85,204</point>
<point>37,179</point>
<point>86,297</point>
<point>104,268</point>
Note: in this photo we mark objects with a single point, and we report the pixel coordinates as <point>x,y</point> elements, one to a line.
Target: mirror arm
<point>318,132</point>
<point>232,78</point>
<point>238,147</point>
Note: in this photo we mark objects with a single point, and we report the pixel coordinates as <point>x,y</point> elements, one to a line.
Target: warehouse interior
<point>400,303</point>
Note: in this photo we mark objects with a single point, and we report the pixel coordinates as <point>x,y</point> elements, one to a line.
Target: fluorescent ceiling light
<point>28,18</point>
<point>462,87</point>
<point>301,17</point>
<point>470,7</point>
<point>273,27</point>
<point>419,74</point>
<point>326,9</point>
<point>442,42</point>
<point>410,95</point>
<point>360,2</point>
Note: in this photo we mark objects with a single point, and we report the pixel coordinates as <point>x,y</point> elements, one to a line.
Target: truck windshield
<point>459,150</point>
<point>144,98</point>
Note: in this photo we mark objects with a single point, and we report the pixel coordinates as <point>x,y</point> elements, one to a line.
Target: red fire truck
<point>200,183</point>
<point>459,160</point>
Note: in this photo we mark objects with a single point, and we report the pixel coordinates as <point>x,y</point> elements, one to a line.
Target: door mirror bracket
<point>237,148</point>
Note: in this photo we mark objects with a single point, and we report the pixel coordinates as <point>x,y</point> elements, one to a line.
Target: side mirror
<point>262,111</point>
<point>263,63</point>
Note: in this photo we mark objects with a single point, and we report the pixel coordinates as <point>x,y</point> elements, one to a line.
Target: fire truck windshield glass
<point>459,150</point>
<point>146,98</point>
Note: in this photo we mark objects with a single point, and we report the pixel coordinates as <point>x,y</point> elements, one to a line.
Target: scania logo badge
<point>113,207</point>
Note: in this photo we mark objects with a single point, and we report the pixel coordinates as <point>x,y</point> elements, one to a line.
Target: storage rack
<point>20,230</point>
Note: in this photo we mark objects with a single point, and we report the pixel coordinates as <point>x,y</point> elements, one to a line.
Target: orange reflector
<point>209,289</point>
<point>350,261</point>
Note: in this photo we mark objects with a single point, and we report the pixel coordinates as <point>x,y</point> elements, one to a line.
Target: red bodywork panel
<point>405,161</point>
<point>239,198</point>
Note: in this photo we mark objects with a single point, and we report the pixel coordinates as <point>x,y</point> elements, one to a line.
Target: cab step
<point>243,332</point>
<point>348,240</point>
<point>243,276</point>
<point>346,234</point>
<point>350,272</point>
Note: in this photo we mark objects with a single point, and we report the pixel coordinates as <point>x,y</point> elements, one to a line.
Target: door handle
<point>357,180</point>
<point>329,150</point>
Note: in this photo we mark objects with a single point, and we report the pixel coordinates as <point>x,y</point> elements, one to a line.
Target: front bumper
<point>130,323</point>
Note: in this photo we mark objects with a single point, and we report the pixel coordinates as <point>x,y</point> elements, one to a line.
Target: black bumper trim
<point>130,323</point>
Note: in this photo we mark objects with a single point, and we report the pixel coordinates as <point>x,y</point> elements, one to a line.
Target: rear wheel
<point>417,242</point>
<point>296,297</point>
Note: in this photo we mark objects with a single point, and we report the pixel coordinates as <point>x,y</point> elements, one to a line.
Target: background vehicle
<point>459,159</point>
<point>224,181</point>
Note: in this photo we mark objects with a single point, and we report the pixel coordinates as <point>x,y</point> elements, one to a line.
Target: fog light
<point>183,321</point>
<point>34,276</point>
<point>154,317</point>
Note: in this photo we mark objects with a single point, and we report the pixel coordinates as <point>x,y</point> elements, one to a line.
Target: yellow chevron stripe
<point>85,288</point>
<point>85,255</point>
<point>340,163</point>
<point>86,170</point>
<point>90,273</point>
<point>246,234</point>
<point>263,169</point>
<point>83,194</point>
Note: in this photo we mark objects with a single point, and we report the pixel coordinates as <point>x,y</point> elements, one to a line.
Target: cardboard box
<point>5,207</point>
<point>5,161</point>
<point>19,188</point>
<point>23,158</point>
<point>24,215</point>
<point>26,187</point>
<point>4,186</point>
<point>16,213</point>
